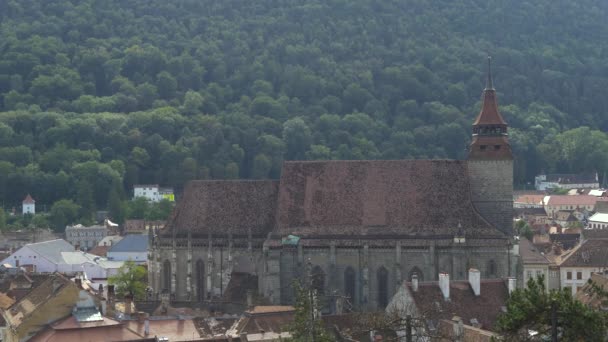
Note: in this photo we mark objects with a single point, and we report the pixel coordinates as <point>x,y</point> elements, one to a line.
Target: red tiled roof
<point>485,308</point>
<point>530,199</point>
<point>221,207</point>
<point>69,329</point>
<point>398,197</point>
<point>590,253</point>
<point>574,200</point>
<point>28,200</point>
<point>489,114</point>
<point>173,329</point>
<point>100,250</point>
<point>529,253</point>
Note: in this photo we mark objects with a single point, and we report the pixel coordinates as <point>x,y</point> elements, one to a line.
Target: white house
<point>152,192</point>
<point>60,256</point>
<point>577,264</point>
<point>566,181</point>
<point>534,263</point>
<point>29,205</point>
<point>598,221</point>
<point>148,191</point>
<point>582,203</point>
<point>131,247</point>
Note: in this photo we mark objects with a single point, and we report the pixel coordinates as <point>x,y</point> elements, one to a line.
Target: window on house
<point>579,275</point>
<point>497,147</point>
<point>538,273</point>
<point>569,275</point>
<point>482,147</point>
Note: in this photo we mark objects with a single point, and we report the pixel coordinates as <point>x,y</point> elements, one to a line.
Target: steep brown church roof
<point>414,198</point>
<point>223,207</point>
<point>489,114</point>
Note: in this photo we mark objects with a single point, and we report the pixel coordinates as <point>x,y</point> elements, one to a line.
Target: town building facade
<point>350,228</point>
<point>85,237</point>
<point>566,181</point>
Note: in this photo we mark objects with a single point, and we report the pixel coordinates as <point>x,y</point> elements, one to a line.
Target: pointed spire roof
<point>489,114</point>
<point>28,200</point>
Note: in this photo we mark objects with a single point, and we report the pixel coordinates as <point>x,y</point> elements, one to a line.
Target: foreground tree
<point>131,279</point>
<point>307,325</point>
<point>534,309</point>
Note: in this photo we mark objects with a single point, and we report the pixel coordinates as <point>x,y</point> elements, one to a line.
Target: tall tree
<point>130,279</point>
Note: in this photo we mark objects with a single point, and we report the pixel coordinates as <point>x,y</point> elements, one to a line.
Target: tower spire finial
<point>489,83</point>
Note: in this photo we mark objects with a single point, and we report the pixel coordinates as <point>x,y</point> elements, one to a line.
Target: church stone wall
<point>492,191</point>
<point>277,268</point>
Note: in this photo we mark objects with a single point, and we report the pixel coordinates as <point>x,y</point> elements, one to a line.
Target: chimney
<point>147,327</point>
<point>512,284</point>
<point>415,282</point>
<point>474,280</point>
<point>444,285</point>
<point>78,282</point>
<point>249,298</point>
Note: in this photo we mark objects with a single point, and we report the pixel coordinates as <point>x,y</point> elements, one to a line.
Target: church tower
<point>490,163</point>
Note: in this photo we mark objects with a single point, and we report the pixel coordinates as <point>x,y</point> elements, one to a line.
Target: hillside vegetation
<point>97,95</point>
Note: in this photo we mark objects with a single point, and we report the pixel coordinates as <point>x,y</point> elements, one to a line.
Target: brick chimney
<point>444,285</point>
<point>415,282</point>
<point>474,280</point>
<point>78,282</point>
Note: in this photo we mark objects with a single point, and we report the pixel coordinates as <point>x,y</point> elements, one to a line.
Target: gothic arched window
<point>350,284</point>
<point>318,280</point>
<point>491,269</point>
<point>167,275</point>
<point>382,276</point>
<point>417,272</point>
<point>200,280</point>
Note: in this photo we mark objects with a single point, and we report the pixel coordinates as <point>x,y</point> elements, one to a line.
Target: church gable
<point>225,207</point>
<point>417,198</point>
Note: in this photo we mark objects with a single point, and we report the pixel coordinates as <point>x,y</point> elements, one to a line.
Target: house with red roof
<point>29,205</point>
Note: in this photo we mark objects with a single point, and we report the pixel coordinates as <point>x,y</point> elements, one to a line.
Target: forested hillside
<point>97,95</point>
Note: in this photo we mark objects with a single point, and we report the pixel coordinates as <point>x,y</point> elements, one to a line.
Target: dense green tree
<point>531,309</point>
<point>63,213</point>
<point>130,279</point>
<point>164,92</point>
